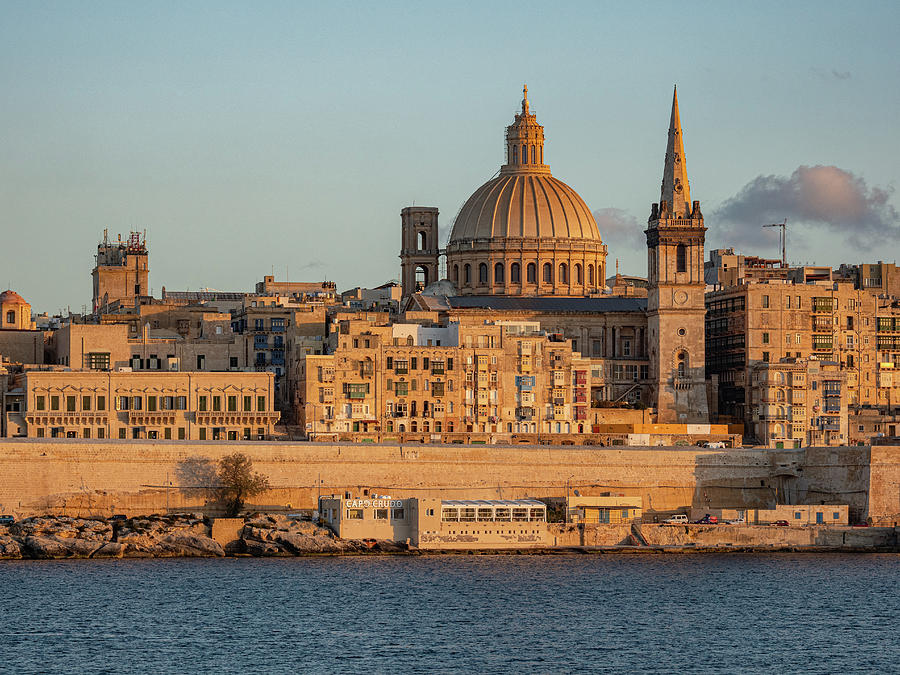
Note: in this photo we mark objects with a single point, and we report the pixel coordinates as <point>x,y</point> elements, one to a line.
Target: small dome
<point>9,297</point>
<point>525,205</point>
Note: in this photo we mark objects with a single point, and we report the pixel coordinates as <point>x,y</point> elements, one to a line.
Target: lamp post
<point>567,497</point>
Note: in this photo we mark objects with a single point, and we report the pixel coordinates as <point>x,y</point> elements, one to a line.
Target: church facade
<point>525,246</point>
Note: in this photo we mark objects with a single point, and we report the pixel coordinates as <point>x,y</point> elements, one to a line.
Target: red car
<point>781,523</point>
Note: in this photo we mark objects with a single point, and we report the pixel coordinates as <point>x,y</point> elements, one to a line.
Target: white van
<point>677,519</point>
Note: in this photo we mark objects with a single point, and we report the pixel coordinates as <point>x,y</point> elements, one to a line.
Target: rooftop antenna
<point>783,227</point>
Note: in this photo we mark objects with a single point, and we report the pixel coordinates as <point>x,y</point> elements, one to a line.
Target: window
<point>260,403</point>
<point>467,273</point>
<point>354,514</point>
<point>498,273</point>
<point>167,433</point>
<point>202,433</point>
<point>70,404</point>
<point>98,361</point>
<point>10,317</point>
<point>54,403</point>
<point>590,275</point>
<point>531,273</point>
<point>765,338</point>
<point>201,361</point>
<point>232,404</point>
<point>381,514</point>
<point>548,273</point>
<point>101,433</point>
<point>39,403</point>
<point>217,403</point>
<point>201,403</point>
<point>101,403</point>
<point>151,404</point>
<point>482,273</point>
<point>181,433</point>
<point>765,357</point>
<point>248,403</point>
<point>456,274</point>
<point>680,258</point>
<point>765,301</point>
<point>579,276</point>
<point>232,362</point>
<point>515,273</point>
<point>563,273</point>
<point>122,432</point>
<point>400,514</point>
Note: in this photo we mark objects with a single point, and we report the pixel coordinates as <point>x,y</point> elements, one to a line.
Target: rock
<point>51,547</point>
<point>10,549</point>
<point>193,545</point>
<point>111,549</point>
<point>263,549</point>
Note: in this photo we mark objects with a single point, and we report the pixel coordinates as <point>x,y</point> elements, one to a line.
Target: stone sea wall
<point>100,478</point>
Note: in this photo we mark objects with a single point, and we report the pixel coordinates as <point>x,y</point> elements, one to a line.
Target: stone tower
<point>122,272</point>
<point>675,304</point>
<point>419,249</point>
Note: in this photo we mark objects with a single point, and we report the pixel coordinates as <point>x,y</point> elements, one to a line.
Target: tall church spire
<point>676,190</point>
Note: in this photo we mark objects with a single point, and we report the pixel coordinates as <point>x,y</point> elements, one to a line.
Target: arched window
<point>590,275</point>
<point>423,239</point>
<point>515,157</point>
<point>514,273</point>
<point>681,258</point>
<point>524,154</point>
<point>410,341</point>
<point>531,273</point>
<point>533,156</point>
<point>482,273</point>
<point>548,273</point>
<point>563,273</point>
<point>681,369</point>
<point>10,317</point>
<point>456,274</point>
<point>498,273</point>
<point>467,271</point>
<point>579,277</point>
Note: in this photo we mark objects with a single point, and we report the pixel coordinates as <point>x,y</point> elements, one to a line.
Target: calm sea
<point>553,614</point>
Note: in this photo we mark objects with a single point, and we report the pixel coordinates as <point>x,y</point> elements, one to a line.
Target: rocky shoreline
<point>261,535</point>
<point>62,537</point>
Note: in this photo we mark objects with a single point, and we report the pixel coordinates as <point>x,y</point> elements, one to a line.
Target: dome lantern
<point>525,142</point>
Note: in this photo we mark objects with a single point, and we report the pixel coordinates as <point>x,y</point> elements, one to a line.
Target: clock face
<point>680,297</point>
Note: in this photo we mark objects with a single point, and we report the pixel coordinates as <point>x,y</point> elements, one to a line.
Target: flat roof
<point>491,502</point>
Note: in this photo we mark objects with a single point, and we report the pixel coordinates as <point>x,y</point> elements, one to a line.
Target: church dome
<point>525,205</point>
<point>11,298</point>
<point>525,232</point>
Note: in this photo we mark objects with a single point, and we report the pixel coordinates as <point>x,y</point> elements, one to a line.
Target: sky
<point>247,138</point>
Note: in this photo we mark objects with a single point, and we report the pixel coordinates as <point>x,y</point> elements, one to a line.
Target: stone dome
<point>9,297</point>
<point>525,205</point>
<point>525,232</point>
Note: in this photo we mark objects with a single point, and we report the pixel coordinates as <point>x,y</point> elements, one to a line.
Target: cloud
<point>817,201</point>
<point>620,230</point>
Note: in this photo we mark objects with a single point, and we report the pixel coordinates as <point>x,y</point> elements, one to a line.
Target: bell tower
<point>676,288</point>
<point>419,251</point>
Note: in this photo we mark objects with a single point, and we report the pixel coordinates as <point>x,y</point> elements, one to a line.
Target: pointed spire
<point>524,99</point>
<point>676,190</point>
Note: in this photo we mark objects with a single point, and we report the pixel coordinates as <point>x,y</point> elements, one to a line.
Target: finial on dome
<point>525,99</point>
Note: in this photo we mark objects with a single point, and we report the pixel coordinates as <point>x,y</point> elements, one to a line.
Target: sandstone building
<point>164,405</point>
<point>799,402</point>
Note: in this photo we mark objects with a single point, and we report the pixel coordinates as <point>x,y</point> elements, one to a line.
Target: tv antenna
<point>783,227</point>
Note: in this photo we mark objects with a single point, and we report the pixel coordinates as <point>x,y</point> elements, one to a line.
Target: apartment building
<point>436,383</point>
<point>158,405</point>
<point>799,402</point>
<point>765,321</point>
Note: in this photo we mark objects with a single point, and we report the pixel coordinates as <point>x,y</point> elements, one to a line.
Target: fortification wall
<point>87,477</point>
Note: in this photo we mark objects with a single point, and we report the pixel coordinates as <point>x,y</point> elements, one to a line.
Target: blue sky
<point>289,135</point>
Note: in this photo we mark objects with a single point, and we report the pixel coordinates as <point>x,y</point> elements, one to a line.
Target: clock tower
<point>676,304</point>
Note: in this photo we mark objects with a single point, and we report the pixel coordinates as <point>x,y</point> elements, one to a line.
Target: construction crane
<point>783,227</point>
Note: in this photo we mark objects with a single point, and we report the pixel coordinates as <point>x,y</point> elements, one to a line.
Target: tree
<point>239,481</point>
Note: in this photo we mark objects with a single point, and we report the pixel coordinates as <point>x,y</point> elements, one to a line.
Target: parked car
<point>677,519</point>
<point>781,523</point>
<point>118,517</point>
<point>714,444</point>
<point>707,520</point>
<point>7,520</point>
